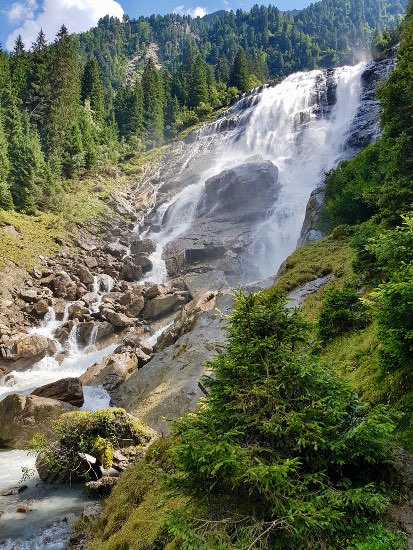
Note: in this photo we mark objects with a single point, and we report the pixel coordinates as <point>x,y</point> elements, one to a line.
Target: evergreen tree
<point>63,112</point>
<point>92,90</point>
<point>153,104</point>
<point>198,91</point>
<point>239,72</point>
<point>39,91</point>
<point>223,70</point>
<point>6,201</point>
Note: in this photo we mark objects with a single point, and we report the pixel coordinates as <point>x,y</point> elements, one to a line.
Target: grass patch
<point>24,238</point>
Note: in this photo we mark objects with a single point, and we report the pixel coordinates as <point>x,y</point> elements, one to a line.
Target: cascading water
<point>301,126</point>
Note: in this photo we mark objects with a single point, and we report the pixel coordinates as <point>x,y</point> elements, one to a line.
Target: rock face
<point>69,390</point>
<point>168,386</point>
<point>22,417</point>
<point>233,204</point>
<point>113,370</point>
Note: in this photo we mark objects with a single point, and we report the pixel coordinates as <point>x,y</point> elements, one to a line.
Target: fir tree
<point>92,90</point>
<point>153,104</point>
<point>239,72</point>
<point>6,201</point>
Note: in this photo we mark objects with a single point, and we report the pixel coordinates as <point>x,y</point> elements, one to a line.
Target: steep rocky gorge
<point>131,312</point>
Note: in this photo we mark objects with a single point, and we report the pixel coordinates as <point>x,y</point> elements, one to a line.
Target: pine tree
<point>239,73</point>
<point>39,92</point>
<point>153,104</point>
<point>223,70</point>
<point>64,104</point>
<point>198,91</point>
<point>6,201</point>
<point>92,90</point>
<point>19,66</point>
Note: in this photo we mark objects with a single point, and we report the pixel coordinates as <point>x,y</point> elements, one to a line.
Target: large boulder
<point>64,287</point>
<point>69,390</point>
<point>130,271</point>
<point>164,305</point>
<point>111,372</point>
<point>133,301</point>
<point>24,416</point>
<point>32,346</point>
<point>118,320</point>
<point>85,275</point>
<point>146,247</point>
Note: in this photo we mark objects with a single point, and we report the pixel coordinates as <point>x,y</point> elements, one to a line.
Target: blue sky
<point>28,16</point>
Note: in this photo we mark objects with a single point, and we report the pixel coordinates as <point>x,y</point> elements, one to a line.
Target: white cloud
<point>22,10</point>
<point>193,12</point>
<point>77,15</point>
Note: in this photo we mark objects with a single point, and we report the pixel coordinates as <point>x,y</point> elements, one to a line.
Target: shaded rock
<point>116,250</point>
<point>64,287</point>
<point>162,305</point>
<point>69,390</point>
<point>133,301</point>
<point>143,262</point>
<point>41,308</point>
<point>81,469</point>
<point>24,416</point>
<point>130,271</point>
<point>29,296</point>
<point>111,372</point>
<point>85,276</point>
<point>101,488</point>
<point>144,247</point>
<point>155,290</point>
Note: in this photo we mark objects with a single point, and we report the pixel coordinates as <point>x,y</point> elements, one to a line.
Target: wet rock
<point>59,306</point>
<point>101,488</point>
<point>155,290</point>
<point>145,247</point>
<point>111,372</point>
<point>32,346</point>
<point>24,416</point>
<point>78,310</point>
<point>143,262</point>
<point>119,320</point>
<point>163,305</point>
<point>130,271</point>
<point>85,275</point>
<point>69,390</point>
<point>309,231</point>
<point>24,509</point>
<point>4,373</point>
<point>14,491</point>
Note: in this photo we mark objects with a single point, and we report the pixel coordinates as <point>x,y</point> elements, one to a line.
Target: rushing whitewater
<point>301,126</point>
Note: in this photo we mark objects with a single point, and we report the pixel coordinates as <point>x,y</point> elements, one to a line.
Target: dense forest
<point>284,453</point>
<point>86,100</point>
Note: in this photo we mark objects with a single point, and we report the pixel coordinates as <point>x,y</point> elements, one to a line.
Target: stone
<point>116,250</point>
<point>29,296</point>
<point>59,306</point>
<point>155,290</point>
<point>111,372</point>
<point>81,470</point>
<point>24,416</point>
<point>32,346</point>
<point>85,276</point>
<point>119,320</point>
<point>162,306</point>
<point>101,488</point>
<point>78,310</point>
<point>64,287</point>
<point>130,271</point>
<point>91,262</point>
<point>69,390</point>
<point>145,247</point>
<point>143,262</point>
<point>133,303</point>
<point>41,308</point>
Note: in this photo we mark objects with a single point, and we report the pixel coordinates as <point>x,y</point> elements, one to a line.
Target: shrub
<point>282,454</point>
<point>342,311</point>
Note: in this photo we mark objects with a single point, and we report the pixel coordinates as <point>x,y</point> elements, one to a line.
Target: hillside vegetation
<point>285,453</point>
<point>77,106</point>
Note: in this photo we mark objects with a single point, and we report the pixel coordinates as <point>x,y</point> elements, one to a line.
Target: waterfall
<point>301,126</point>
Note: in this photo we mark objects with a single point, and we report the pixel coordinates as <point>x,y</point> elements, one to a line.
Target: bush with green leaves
<point>342,311</point>
<point>282,454</point>
<point>94,433</point>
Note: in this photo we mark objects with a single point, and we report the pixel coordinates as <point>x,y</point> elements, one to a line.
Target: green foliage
<point>342,311</point>
<point>281,434</point>
<point>95,433</point>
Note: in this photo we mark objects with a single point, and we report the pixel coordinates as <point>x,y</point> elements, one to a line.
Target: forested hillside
<point>294,446</point>
<point>78,105</point>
